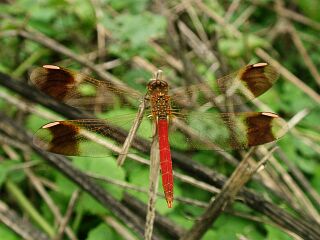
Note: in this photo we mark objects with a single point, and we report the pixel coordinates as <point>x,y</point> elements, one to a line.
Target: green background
<point>130,32</point>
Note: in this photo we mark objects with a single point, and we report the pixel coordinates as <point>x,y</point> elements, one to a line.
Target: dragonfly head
<point>157,85</point>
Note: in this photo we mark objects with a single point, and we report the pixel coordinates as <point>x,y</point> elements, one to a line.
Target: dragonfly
<point>232,130</point>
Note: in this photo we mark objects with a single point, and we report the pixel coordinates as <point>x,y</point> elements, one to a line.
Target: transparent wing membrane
<point>88,137</point>
<point>74,88</point>
<point>221,131</point>
<point>234,89</point>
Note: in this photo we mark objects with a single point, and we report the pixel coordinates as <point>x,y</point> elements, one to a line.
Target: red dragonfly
<point>232,130</point>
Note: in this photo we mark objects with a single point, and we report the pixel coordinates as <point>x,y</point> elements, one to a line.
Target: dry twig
<point>239,178</point>
<point>21,226</point>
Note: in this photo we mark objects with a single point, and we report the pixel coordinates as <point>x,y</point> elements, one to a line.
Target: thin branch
<point>231,9</point>
<point>20,225</point>
<point>299,196</point>
<point>101,33</point>
<point>127,144</point>
<point>162,223</point>
<point>298,175</point>
<point>197,23</point>
<point>119,228</point>
<point>297,17</point>
<point>288,75</point>
<point>136,188</point>
<point>31,210</point>
<point>304,54</point>
<point>48,200</point>
<point>6,140</point>
<point>153,184</point>
<point>245,15</point>
<point>220,20</point>
<point>25,165</point>
<point>239,178</point>
<point>64,222</point>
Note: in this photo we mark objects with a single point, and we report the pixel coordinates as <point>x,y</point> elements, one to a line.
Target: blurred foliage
<point>132,25</point>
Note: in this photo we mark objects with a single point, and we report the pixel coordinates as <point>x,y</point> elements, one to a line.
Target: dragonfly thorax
<point>160,106</point>
<point>159,99</point>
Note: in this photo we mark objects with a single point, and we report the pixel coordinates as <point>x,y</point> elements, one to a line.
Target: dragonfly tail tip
<point>170,202</point>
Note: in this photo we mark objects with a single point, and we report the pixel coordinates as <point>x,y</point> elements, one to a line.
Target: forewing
<point>249,82</point>
<point>73,88</point>
<point>243,85</point>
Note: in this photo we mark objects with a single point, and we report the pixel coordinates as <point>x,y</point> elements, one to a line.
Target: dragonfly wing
<point>250,81</point>
<point>223,131</point>
<point>243,85</point>
<point>85,137</point>
<point>74,137</point>
<point>56,82</point>
<point>73,88</point>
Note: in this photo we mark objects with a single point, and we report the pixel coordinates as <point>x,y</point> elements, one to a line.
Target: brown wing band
<point>259,77</point>
<point>55,82</point>
<point>64,139</point>
<point>259,129</point>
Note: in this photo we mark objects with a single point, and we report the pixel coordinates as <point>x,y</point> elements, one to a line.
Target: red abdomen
<point>165,161</point>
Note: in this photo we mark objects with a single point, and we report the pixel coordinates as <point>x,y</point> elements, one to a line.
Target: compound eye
<point>151,84</point>
<point>164,84</point>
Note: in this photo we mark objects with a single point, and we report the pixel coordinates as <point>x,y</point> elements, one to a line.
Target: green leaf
<point>310,8</point>
<point>140,177</point>
<point>83,10</point>
<point>105,167</point>
<point>101,232</point>
<point>316,179</point>
<point>232,48</point>
<point>136,77</point>
<point>102,166</point>
<point>7,234</point>
<point>275,233</point>
<point>38,14</point>
<point>4,168</point>
<point>272,97</point>
<point>236,47</point>
<point>65,186</point>
<point>302,155</point>
<point>3,175</point>
<point>129,28</point>
<point>85,203</point>
<point>178,140</point>
<point>88,204</point>
<point>210,235</point>
<point>35,122</point>
<point>230,227</point>
<point>5,172</point>
<point>254,41</point>
<point>133,6</point>
<point>291,92</point>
